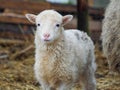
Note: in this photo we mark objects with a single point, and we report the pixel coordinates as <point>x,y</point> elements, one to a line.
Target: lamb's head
<point>49,24</point>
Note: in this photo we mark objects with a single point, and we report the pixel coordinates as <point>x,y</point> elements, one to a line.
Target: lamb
<point>63,58</point>
<point>111,36</point>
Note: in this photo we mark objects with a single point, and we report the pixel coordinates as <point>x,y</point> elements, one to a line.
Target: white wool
<point>67,58</point>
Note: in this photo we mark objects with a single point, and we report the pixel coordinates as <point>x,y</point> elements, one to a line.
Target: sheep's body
<point>67,60</point>
<point>111,35</point>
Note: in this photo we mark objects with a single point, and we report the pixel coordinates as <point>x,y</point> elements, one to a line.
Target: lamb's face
<point>49,25</point>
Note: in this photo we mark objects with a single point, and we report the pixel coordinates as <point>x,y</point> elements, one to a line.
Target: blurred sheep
<point>111,35</point>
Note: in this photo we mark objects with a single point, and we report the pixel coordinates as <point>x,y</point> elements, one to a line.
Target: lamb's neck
<point>58,44</point>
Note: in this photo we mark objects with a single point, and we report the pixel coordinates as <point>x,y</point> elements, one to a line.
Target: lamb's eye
<point>38,24</point>
<point>57,25</point>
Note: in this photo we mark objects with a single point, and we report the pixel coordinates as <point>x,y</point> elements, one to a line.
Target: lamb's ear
<point>66,19</point>
<point>31,17</point>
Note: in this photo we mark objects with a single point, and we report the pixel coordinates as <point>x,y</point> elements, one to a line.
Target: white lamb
<point>62,58</point>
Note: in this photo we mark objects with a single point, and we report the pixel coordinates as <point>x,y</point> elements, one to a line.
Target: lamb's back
<point>79,39</point>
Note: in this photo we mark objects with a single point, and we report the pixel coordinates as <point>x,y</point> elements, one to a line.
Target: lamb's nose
<point>46,35</point>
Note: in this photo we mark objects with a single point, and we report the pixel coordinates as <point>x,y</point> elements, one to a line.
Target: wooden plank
<point>14,35</point>
<point>32,7</point>
<point>14,18</point>
<point>96,11</point>
<point>63,8</point>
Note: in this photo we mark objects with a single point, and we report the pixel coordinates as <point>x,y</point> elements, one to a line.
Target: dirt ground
<point>16,70</point>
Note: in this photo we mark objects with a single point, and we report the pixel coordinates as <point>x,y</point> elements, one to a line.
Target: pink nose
<point>46,35</point>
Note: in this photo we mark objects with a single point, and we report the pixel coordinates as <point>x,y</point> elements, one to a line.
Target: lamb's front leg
<point>46,87</point>
<point>65,87</point>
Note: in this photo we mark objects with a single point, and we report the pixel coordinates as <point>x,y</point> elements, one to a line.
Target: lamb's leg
<point>64,87</point>
<point>45,86</point>
<point>89,80</point>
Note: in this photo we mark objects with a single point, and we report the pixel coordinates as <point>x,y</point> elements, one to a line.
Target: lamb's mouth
<point>46,40</point>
